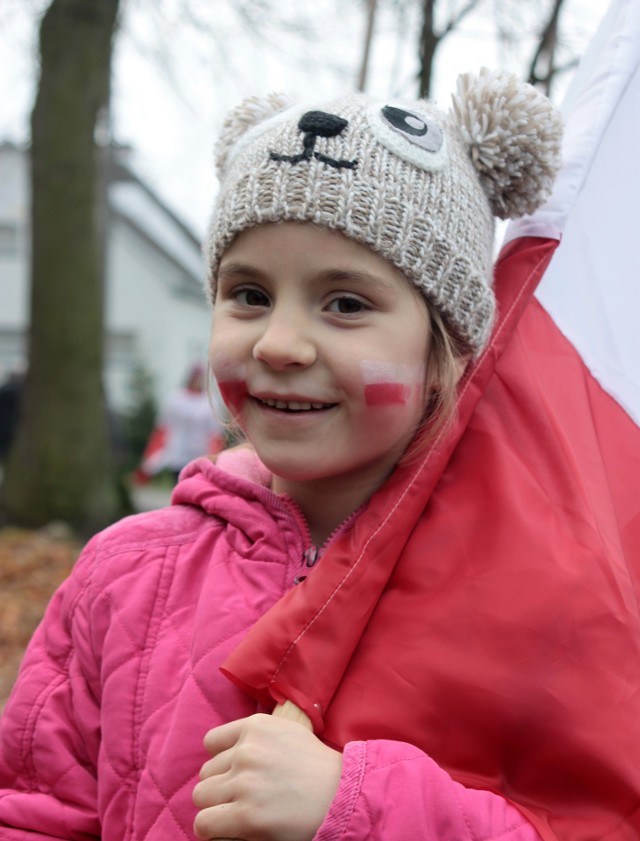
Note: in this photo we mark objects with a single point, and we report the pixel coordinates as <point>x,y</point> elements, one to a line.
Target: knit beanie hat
<point>418,186</point>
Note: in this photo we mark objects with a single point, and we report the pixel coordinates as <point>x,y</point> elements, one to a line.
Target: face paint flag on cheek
<point>234,393</point>
<point>231,379</point>
<point>386,384</point>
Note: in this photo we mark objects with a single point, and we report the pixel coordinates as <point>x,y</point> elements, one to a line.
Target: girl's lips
<point>298,404</point>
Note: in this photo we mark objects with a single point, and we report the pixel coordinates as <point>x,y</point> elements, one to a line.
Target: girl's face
<point>320,350</point>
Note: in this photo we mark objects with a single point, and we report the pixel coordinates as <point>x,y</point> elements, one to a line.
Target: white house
<point>157,316</point>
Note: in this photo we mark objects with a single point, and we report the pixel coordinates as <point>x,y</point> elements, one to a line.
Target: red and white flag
<point>485,607</point>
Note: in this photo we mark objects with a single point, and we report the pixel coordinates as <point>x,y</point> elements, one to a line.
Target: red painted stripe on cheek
<point>386,394</point>
<point>234,393</point>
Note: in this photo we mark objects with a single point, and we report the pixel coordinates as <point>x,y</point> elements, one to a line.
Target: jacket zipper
<point>310,558</point>
<point>312,554</point>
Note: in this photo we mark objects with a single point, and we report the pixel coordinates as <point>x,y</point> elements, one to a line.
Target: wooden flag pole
<point>291,712</point>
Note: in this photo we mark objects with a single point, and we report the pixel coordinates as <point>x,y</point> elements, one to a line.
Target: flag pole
<point>291,712</point>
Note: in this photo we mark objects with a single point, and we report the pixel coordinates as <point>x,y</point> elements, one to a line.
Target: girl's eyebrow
<point>355,277</point>
<point>240,269</point>
<point>358,277</point>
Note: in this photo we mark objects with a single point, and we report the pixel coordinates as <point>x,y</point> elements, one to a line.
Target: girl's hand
<point>269,780</point>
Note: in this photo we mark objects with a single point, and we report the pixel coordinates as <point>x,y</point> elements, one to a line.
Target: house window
<point>12,352</point>
<point>8,239</point>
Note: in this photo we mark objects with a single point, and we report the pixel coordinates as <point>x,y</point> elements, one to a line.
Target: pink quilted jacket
<point>102,737</point>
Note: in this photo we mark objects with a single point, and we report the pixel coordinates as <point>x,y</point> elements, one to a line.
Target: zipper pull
<point>309,558</point>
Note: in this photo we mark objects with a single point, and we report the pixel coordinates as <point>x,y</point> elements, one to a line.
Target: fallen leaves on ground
<point>32,565</point>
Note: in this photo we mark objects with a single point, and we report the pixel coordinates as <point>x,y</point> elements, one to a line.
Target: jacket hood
<point>240,501</point>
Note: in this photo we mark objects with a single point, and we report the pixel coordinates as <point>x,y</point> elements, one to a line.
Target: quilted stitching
<point>172,649</point>
<point>157,602</point>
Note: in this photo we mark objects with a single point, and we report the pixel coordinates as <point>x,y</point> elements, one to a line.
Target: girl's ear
<point>514,135</point>
<point>248,113</point>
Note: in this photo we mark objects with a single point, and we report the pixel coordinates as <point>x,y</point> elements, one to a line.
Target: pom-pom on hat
<point>418,186</point>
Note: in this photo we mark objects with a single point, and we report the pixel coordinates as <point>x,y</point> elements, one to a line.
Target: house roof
<point>134,201</point>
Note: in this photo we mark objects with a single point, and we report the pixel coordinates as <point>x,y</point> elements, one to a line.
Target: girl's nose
<point>285,343</point>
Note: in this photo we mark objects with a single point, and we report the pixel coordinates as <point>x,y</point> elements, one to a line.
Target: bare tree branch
<point>456,19</point>
<point>542,69</point>
<point>372,6</point>
<point>430,39</point>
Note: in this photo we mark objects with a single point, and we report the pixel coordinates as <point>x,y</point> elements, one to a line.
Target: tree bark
<point>61,466</point>
<point>430,39</point>
<point>543,69</point>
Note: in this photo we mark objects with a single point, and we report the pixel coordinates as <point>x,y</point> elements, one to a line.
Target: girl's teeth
<point>292,405</point>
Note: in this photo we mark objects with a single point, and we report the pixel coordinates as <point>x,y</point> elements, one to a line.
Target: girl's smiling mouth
<point>297,405</point>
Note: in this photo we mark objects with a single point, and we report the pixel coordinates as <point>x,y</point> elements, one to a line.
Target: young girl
<point>350,254</point>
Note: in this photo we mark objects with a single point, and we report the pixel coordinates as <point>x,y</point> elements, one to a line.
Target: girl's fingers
<point>217,822</point>
<point>219,742</point>
<point>213,791</point>
<point>267,778</point>
<point>220,764</point>
<point>223,737</point>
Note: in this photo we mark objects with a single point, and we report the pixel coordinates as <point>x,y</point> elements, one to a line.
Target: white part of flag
<point>592,286</point>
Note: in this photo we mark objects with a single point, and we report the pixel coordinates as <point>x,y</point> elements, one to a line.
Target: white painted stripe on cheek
<point>380,371</point>
<point>388,383</point>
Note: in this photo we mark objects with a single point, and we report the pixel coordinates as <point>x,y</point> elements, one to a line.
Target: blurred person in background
<point>10,392</point>
<point>188,426</point>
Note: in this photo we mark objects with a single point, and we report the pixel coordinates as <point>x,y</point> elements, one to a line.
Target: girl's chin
<point>288,473</point>
<point>294,475</point>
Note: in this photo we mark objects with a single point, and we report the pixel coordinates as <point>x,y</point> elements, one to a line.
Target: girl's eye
<point>249,297</point>
<point>346,305</point>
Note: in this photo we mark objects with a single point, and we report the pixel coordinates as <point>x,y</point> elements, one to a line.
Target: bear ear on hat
<point>250,112</point>
<point>514,138</point>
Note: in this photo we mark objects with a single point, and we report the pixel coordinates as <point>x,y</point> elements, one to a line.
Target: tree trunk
<point>61,466</point>
<point>427,48</point>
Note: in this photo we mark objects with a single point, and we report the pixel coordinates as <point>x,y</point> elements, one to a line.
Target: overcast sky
<point>174,80</point>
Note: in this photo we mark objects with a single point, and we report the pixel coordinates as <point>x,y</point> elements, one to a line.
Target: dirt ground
<point>32,565</point>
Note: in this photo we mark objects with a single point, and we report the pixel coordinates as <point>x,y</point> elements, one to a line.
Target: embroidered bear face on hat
<point>418,186</point>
